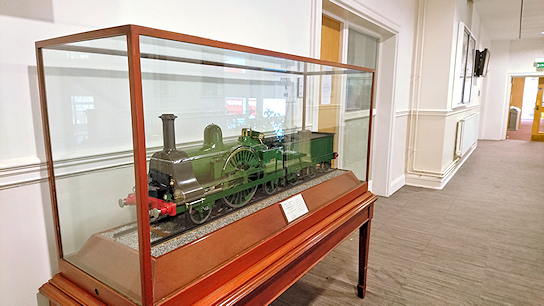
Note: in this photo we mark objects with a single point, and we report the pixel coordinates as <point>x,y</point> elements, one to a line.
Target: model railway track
<point>220,211</point>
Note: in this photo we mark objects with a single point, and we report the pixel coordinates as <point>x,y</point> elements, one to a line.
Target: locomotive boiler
<point>229,173</point>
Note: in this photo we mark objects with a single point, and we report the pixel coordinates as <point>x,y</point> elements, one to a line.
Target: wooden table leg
<point>364,240</point>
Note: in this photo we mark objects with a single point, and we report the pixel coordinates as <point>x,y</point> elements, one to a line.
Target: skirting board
<point>397,184</point>
<point>393,187</point>
<point>426,181</point>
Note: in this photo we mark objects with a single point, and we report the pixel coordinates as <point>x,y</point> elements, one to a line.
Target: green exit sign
<point>539,65</point>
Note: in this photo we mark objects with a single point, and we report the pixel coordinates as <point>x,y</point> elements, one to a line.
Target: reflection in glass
<point>469,68</point>
<point>91,141</point>
<point>356,146</point>
<point>359,92</point>
<point>362,49</point>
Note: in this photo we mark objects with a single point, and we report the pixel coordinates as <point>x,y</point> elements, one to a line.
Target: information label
<point>326,89</point>
<point>294,207</point>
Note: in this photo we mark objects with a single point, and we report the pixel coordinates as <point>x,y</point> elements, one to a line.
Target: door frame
<point>510,101</point>
<point>387,31</point>
<point>345,25</point>
<point>536,126</point>
<point>506,102</point>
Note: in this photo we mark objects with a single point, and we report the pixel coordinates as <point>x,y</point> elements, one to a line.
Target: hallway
<point>523,132</point>
<point>480,241</point>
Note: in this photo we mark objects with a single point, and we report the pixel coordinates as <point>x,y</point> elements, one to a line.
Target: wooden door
<point>516,95</point>
<point>538,122</point>
<point>330,39</point>
<point>330,51</point>
<point>329,106</point>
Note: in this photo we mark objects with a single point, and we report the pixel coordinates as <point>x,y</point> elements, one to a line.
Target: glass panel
<point>469,70</point>
<point>459,82</point>
<point>88,99</point>
<point>359,92</point>
<point>224,130</point>
<point>221,123</point>
<point>356,146</point>
<point>362,49</point>
<point>231,90</point>
<point>530,91</point>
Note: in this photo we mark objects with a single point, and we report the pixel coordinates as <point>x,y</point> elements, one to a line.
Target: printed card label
<point>294,207</point>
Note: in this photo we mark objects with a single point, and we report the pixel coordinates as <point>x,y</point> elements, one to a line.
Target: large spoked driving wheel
<point>240,198</point>
<point>242,159</point>
<point>242,163</point>
<point>200,215</point>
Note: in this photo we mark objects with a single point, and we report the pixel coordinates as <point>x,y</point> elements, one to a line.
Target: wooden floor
<point>480,241</point>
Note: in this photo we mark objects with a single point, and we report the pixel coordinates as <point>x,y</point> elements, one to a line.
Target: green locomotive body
<point>193,180</point>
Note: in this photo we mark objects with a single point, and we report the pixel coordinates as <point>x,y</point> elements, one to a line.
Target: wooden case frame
<point>257,274</point>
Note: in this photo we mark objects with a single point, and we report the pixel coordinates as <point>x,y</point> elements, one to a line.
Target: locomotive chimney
<point>169,138</point>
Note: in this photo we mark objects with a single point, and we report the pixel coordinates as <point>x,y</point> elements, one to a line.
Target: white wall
<point>258,24</point>
<point>508,58</point>
<point>27,243</point>
<point>405,14</point>
<point>523,54</point>
<point>438,55</point>
<point>27,247</point>
<point>431,161</point>
<point>497,80</point>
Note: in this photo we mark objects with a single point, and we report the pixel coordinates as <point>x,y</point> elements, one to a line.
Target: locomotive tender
<point>191,181</point>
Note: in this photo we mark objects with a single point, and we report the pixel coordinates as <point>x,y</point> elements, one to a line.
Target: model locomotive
<point>191,181</point>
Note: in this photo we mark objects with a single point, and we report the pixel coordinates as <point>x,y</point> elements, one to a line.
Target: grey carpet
<point>479,241</point>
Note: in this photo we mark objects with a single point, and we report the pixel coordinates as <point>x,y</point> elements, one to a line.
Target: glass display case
<point>168,155</point>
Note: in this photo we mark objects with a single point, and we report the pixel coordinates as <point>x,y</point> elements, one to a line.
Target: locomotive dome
<point>213,137</point>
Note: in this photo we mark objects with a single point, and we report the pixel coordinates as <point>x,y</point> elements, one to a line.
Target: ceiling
<point>501,18</point>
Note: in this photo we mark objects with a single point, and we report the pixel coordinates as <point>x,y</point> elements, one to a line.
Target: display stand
<point>255,275</point>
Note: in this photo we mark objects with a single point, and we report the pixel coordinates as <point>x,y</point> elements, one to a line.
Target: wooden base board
<point>248,259</point>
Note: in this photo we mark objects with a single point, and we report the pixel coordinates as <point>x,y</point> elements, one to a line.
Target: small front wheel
<point>270,187</point>
<point>292,179</point>
<point>312,171</point>
<point>200,215</point>
<point>326,166</point>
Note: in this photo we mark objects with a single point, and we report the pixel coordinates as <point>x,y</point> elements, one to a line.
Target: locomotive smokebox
<point>171,171</point>
<point>168,132</point>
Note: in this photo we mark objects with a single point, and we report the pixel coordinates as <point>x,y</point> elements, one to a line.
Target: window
<point>464,68</point>
<point>362,51</point>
